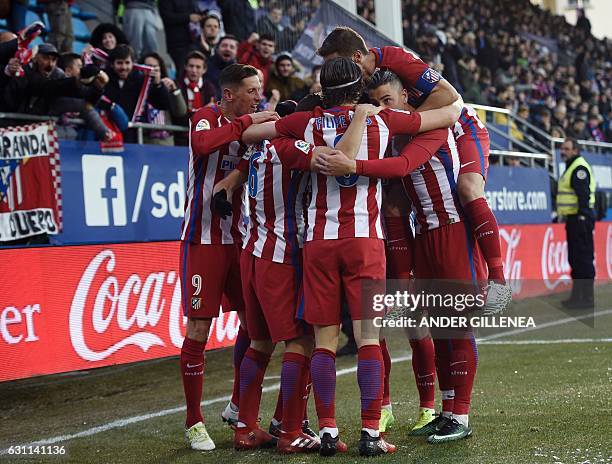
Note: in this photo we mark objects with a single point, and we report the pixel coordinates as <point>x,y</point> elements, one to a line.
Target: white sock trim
<point>371,432</point>
<point>462,419</point>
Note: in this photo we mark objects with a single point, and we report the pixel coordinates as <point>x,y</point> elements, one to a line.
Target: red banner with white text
<point>81,307</point>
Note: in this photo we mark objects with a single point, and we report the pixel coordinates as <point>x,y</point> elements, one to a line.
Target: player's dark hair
<point>342,82</point>
<point>383,77</point>
<point>232,75</point>
<point>344,41</point>
<point>121,52</point>
<point>309,102</point>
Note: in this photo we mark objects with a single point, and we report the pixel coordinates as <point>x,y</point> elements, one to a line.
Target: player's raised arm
<point>441,117</point>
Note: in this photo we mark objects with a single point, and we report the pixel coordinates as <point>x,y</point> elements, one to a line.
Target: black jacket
<point>238,18</point>
<point>175,15</point>
<point>34,93</point>
<point>127,97</point>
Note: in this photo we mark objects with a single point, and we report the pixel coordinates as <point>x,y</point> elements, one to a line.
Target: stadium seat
<point>80,29</point>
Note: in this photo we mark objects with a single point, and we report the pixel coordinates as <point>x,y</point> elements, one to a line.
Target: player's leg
<point>457,351</point>
<point>234,301</point>
<point>386,414</point>
<point>364,272</point>
<point>202,288</point>
<point>473,148</point>
<point>247,433</point>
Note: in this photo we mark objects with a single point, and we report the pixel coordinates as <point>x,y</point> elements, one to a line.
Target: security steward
<point>575,203</point>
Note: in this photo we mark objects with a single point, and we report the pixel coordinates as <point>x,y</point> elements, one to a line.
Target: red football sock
<point>370,376</point>
<point>192,373</point>
<point>424,367</point>
<point>485,229</point>
<point>442,357</point>
<point>294,378</point>
<point>252,372</point>
<point>307,393</point>
<point>278,411</point>
<point>399,247</point>
<point>387,360</point>
<point>463,363</point>
<point>323,372</point>
<point>240,346</point>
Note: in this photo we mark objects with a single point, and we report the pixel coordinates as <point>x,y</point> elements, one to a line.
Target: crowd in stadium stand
<point>504,53</point>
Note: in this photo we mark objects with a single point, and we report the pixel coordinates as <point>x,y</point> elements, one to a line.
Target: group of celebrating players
<point>285,219</point>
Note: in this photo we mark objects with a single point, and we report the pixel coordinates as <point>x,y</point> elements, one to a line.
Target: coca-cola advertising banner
<point>71,308</point>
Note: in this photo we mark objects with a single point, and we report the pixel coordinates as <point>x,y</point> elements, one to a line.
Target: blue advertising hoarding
<point>137,195</point>
<point>519,195</point>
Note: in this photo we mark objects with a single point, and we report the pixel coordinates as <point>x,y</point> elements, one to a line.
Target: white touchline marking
<point>275,387</point>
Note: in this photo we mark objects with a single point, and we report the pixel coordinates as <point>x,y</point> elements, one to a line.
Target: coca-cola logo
<point>130,314</point>
<point>512,265</point>
<point>555,267</point>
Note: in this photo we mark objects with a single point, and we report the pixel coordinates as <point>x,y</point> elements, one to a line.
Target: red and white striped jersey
<point>276,203</point>
<point>214,151</point>
<point>469,123</point>
<point>432,189</point>
<point>349,206</point>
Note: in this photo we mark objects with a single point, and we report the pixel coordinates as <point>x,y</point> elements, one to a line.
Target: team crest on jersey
<point>202,124</point>
<point>431,76</point>
<point>347,181</point>
<point>196,303</point>
<point>302,146</point>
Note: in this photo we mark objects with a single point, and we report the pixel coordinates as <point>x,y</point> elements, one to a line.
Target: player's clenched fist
<point>264,116</point>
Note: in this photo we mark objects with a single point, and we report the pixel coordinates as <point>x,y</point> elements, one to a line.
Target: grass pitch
<point>541,396</point>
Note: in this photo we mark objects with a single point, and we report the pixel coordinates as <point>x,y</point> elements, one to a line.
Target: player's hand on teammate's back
<point>368,109</point>
<point>264,116</point>
<point>334,164</point>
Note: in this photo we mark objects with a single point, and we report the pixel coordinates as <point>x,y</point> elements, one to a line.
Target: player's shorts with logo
<point>449,262</point>
<point>272,294</point>
<point>210,275</point>
<point>349,267</point>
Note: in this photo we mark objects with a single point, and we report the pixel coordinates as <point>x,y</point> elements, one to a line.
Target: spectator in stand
<point>43,82</point>
<point>178,107</point>
<point>577,130</point>
<point>107,36</point>
<point>196,89</point>
<point>512,161</point>
<point>177,16</point>
<point>257,51</point>
<point>72,65</point>
<point>238,17</point>
<point>9,65</point>
<point>283,78</point>
<point>140,25</point>
<point>60,22</point>
<point>267,104</point>
<point>125,86</point>
<point>225,54</point>
<point>593,128</point>
<point>270,24</point>
<point>210,36</point>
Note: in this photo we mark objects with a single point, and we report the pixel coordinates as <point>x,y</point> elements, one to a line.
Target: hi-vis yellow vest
<point>567,200</point>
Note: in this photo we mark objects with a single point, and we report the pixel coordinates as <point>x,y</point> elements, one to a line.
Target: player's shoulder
<point>206,117</point>
<point>394,51</point>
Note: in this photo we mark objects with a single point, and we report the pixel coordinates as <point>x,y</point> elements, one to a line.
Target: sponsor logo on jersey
<point>202,124</point>
<point>302,146</point>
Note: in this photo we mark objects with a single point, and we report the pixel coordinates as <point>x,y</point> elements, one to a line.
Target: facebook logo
<point>104,190</point>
